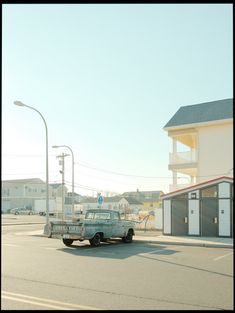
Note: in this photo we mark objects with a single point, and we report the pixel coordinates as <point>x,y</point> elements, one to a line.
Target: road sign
<point>100,200</point>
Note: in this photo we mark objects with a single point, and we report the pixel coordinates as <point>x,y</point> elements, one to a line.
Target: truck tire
<point>128,238</point>
<point>95,241</point>
<point>67,242</point>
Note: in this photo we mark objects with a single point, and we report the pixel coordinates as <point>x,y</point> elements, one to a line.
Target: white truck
<point>98,225</point>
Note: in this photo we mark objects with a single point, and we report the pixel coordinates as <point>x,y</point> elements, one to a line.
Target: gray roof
<point>198,186</point>
<point>203,112</point>
<point>131,200</point>
<point>25,181</point>
<point>115,199</point>
<point>144,196</point>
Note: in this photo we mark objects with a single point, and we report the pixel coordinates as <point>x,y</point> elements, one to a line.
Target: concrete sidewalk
<point>158,237</point>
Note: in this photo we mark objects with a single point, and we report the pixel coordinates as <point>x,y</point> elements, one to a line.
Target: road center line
<point>223,256</point>
<point>73,305</point>
<point>37,303</point>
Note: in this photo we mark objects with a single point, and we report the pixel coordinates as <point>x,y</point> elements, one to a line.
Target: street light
<point>46,228</point>
<point>72,174</point>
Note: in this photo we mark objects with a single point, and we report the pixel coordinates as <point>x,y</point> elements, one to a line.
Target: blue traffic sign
<point>100,199</point>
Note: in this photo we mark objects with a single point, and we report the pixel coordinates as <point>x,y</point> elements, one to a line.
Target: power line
<point>83,164</point>
<point>152,177</point>
<point>120,174</point>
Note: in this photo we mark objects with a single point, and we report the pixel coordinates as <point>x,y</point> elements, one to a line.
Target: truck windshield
<point>98,215</point>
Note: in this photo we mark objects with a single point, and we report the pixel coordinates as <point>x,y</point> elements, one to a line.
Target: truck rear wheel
<point>67,242</point>
<point>95,241</point>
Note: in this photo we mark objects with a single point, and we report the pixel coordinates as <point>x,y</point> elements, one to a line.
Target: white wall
<point>158,218</point>
<point>224,217</point>
<point>215,151</point>
<point>167,216</point>
<point>40,205</point>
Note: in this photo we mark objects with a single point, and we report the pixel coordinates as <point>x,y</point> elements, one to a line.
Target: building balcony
<point>181,158</point>
<point>178,186</point>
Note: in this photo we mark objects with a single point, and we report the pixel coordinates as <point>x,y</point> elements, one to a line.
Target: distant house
<point>22,192</point>
<point>57,190</point>
<point>130,205</point>
<point>149,199</point>
<point>68,203</point>
<point>120,203</point>
<point>202,142</point>
<point>77,197</point>
<point>25,192</point>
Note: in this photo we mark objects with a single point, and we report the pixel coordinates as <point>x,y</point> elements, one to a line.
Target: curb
<point>196,244</point>
<point>31,223</point>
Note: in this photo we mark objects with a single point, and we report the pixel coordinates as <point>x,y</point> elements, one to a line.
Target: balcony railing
<point>178,186</point>
<point>183,157</point>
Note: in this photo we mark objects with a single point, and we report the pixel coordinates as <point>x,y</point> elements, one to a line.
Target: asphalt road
<point>41,273</point>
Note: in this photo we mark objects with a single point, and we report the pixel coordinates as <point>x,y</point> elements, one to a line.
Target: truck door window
<point>90,215</point>
<point>115,215</point>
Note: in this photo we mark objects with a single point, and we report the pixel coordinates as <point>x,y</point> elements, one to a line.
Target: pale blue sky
<point>107,78</point>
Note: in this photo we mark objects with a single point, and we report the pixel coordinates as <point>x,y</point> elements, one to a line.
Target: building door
<point>167,217</point>
<point>209,217</point>
<point>194,220</point>
<point>224,217</point>
<point>179,217</point>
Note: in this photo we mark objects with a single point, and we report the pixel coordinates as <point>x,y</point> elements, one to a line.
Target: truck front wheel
<point>128,238</point>
<point>95,241</point>
<point>67,242</point>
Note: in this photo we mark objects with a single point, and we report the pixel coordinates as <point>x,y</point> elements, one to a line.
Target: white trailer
<point>40,206</point>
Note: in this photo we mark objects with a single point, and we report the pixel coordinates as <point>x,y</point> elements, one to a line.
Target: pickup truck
<point>98,225</point>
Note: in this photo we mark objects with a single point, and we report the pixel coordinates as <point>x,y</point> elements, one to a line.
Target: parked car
<point>21,210</point>
<point>43,213</point>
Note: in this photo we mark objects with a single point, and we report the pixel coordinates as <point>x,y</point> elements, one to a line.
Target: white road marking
<point>28,233</point>
<point>10,245</point>
<point>223,256</point>
<point>64,305</point>
<point>37,303</point>
<point>154,251</point>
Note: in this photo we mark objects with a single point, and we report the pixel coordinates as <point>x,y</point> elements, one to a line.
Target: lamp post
<point>46,228</point>
<point>72,174</point>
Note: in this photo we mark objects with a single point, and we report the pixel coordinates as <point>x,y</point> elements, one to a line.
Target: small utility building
<point>204,209</point>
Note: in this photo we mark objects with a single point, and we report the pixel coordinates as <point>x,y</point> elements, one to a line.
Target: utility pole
<point>61,162</point>
<point>72,173</point>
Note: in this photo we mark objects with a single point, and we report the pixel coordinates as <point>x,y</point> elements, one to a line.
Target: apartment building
<point>202,142</point>
<point>24,192</point>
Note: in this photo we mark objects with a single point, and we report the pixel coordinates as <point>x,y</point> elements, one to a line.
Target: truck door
<point>118,228</point>
<point>103,223</point>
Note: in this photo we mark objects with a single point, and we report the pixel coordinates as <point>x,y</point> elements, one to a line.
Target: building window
<point>210,192</point>
<point>193,195</point>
